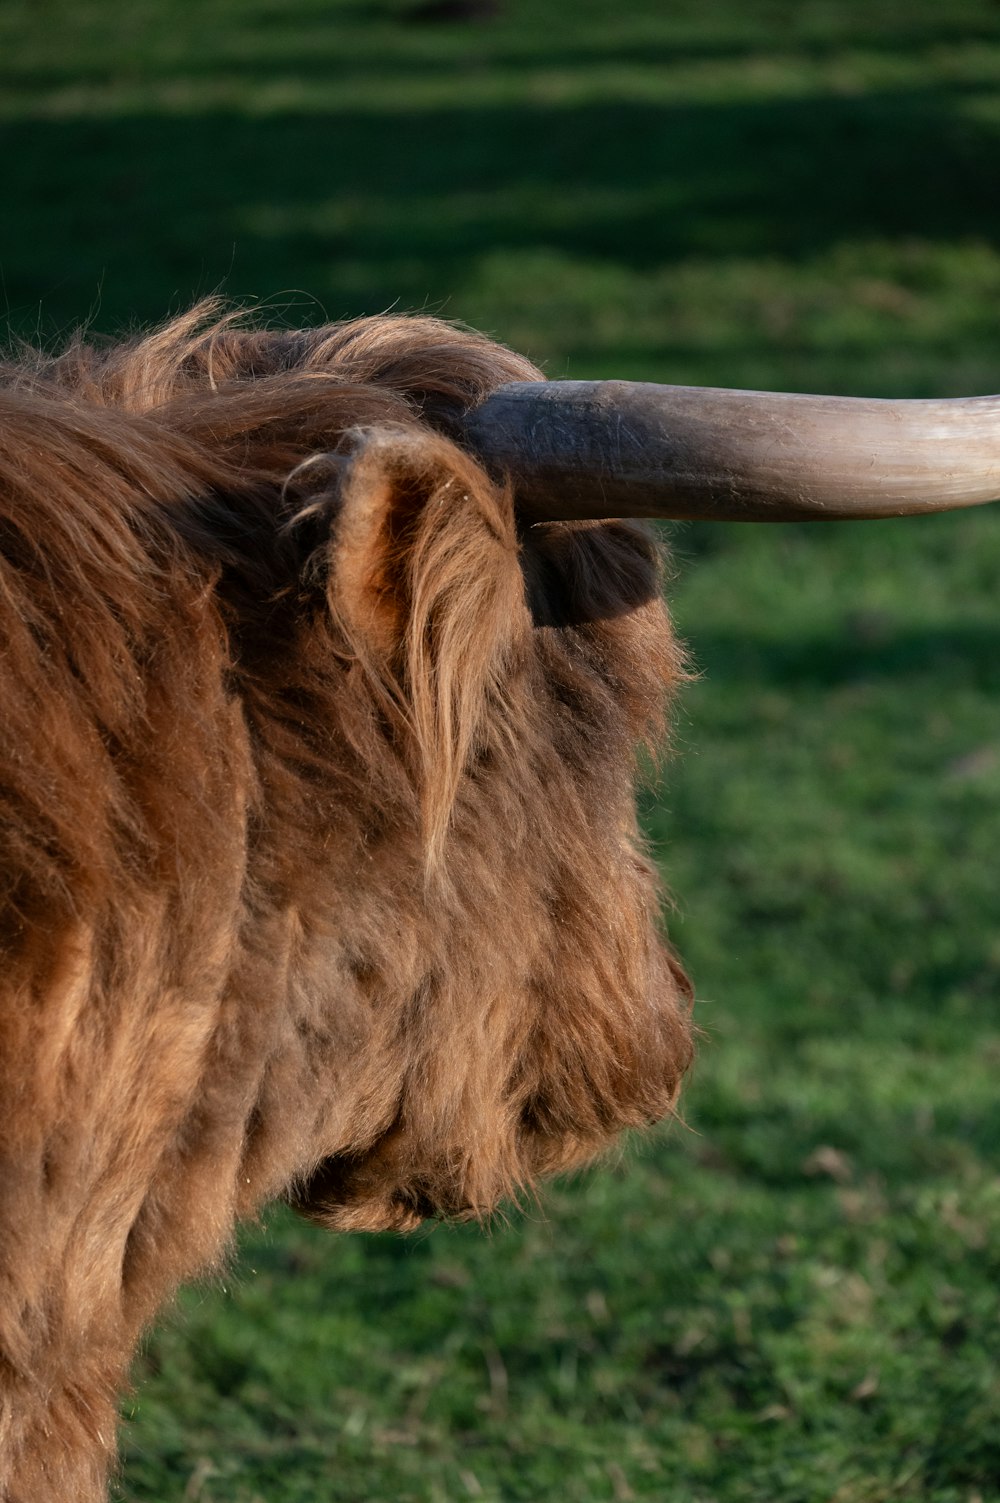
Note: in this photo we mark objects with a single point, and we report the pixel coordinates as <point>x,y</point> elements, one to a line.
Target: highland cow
<point>321,870</point>
<point>319,852</point>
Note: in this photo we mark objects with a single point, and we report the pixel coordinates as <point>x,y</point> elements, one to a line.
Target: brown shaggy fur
<point>317,837</point>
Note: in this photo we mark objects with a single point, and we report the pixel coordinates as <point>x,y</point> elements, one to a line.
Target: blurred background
<point>791,1296</point>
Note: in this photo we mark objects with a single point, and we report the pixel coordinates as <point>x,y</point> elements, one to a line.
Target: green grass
<point>793,1296</point>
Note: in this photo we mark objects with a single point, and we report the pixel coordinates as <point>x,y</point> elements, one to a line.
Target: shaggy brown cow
<point>320,863</point>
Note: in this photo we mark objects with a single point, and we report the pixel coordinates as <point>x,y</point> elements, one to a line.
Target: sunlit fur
<point>317,837</point>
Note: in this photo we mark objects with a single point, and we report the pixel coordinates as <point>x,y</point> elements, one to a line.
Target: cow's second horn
<point>593,449</point>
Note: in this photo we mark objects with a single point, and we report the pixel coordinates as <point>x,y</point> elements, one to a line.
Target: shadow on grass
<point>373,43</point>
<point>379,205</point>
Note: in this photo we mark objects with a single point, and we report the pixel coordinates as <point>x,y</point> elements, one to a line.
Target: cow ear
<point>405,496</point>
<point>386,479</point>
<point>424,581</point>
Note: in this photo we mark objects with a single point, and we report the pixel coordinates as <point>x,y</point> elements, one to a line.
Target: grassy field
<point>793,1297</point>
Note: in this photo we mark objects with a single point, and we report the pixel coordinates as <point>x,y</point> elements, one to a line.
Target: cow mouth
<point>360,1192</point>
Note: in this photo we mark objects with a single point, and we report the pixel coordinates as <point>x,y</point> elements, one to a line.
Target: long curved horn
<point>591,449</point>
